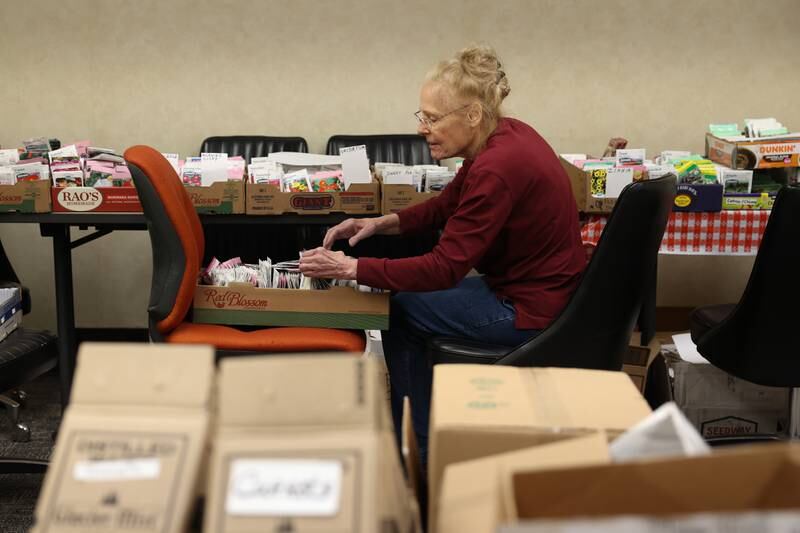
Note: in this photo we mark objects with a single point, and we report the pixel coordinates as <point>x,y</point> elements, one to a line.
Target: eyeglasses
<point>431,122</point>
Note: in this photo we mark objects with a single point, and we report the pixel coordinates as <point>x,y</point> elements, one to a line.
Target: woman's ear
<point>474,114</point>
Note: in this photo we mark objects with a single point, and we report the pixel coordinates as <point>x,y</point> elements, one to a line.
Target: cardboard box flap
<point>167,375</point>
<point>474,495</point>
<point>299,390</point>
<point>550,399</point>
<point>743,478</point>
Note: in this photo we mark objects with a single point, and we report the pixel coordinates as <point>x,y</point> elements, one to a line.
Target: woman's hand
<point>323,263</point>
<point>353,229</point>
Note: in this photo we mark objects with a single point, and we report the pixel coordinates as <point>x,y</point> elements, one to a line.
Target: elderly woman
<point>509,214</point>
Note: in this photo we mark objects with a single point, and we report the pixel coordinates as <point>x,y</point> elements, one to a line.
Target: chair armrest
<point>447,350</point>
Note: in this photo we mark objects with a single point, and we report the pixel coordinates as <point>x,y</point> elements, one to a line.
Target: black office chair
<point>243,240</point>
<point>250,146</point>
<point>594,329</point>
<point>25,354</point>
<point>408,149</point>
<point>755,339</point>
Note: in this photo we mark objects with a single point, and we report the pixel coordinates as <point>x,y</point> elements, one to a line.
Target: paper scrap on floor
<point>687,349</point>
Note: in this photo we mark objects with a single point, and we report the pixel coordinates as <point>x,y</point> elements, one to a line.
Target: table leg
<point>65,311</point>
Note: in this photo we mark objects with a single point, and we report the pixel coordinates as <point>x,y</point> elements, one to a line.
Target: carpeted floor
<point>18,492</point>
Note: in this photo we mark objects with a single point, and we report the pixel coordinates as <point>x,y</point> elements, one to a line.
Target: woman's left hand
<point>323,263</point>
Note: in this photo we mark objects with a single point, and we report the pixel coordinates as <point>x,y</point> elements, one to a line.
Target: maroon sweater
<point>510,214</point>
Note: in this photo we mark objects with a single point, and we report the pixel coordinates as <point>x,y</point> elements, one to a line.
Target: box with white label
<point>129,449</point>
<point>722,405</point>
<point>305,443</point>
<point>585,185</point>
<point>10,310</point>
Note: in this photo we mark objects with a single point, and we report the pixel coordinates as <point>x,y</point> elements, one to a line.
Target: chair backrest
<point>594,329</point>
<point>408,149</point>
<point>250,146</point>
<point>757,341</point>
<point>176,237</point>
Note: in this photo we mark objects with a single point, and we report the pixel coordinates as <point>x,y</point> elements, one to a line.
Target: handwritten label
<point>117,470</point>
<point>355,165</point>
<point>616,180</point>
<point>284,487</point>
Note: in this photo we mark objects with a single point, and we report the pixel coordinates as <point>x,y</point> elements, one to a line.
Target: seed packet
<point>296,181</point>
<point>30,172</point>
<point>7,176</point>
<point>9,157</point>
<point>330,181</point>
<point>67,178</point>
<point>437,180</point>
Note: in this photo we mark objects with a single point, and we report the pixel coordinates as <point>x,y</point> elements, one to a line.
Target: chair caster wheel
<point>21,433</point>
<point>19,396</point>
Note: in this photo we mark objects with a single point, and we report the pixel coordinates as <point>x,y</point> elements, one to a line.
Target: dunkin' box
<point>220,198</point>
<point>244,305</point>
<point>25,197</point>
<point>304,443</point>
<point>771,152</point>
<point>358,199</point>
<point>95,199</point>
<point>130,446</point>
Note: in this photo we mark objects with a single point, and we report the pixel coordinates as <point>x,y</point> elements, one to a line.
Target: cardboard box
<point>305,443</point>
<point>221,198</point>
<point>744,522</point>
<point>480,410</point>
<point>396,197</point>
<point>736,479</point>
<point>721,405</point>
<point>25,197</point>
<point>129,448</point>
<point>359,199</point>
<point>10,310</point>
<point>581,182</point>
<point>698,198</point>
<point>472,495</point>
<point>338,307</point>
<point>637,360</point>
<point>754,153</point>
<point>96,199</point>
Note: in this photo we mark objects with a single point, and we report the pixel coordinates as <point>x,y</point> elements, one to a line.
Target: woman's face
<point>449,131</point>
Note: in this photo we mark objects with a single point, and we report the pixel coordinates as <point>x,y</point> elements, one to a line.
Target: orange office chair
<point>176,237</point>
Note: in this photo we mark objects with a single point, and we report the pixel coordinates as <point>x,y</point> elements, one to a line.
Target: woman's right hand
<point>353,229</point>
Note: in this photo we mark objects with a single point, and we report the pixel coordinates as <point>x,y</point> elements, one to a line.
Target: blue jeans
<point>468,310</point>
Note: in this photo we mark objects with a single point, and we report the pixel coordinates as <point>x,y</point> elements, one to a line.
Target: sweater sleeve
<point>484,207</point>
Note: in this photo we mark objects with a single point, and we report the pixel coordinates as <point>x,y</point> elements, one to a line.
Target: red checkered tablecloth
<point>722,233</point>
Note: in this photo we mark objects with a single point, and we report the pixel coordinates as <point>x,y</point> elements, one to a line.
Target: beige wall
<point>170,72</point>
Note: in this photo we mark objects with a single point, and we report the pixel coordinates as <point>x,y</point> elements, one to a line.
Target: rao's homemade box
<point>773,152</point>
<point>338,307</point>
<point>25,197</point>
<point>304,443</point>
<point>220,198</point>
<point>358,199</point>
<point>96,199</point>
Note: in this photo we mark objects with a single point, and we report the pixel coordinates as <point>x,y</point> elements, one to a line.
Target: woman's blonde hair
<point>475,72</point>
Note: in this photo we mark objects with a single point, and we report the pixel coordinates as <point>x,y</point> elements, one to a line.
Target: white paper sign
<point>616,180</point>
<point>213,170</point>
<point>398,176</point>
<point>355,165</point>
<point>173,160</point>
<point>117,470</point>
<point>657,171</point>
<point>284,487</point>
<point>8,156</point>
